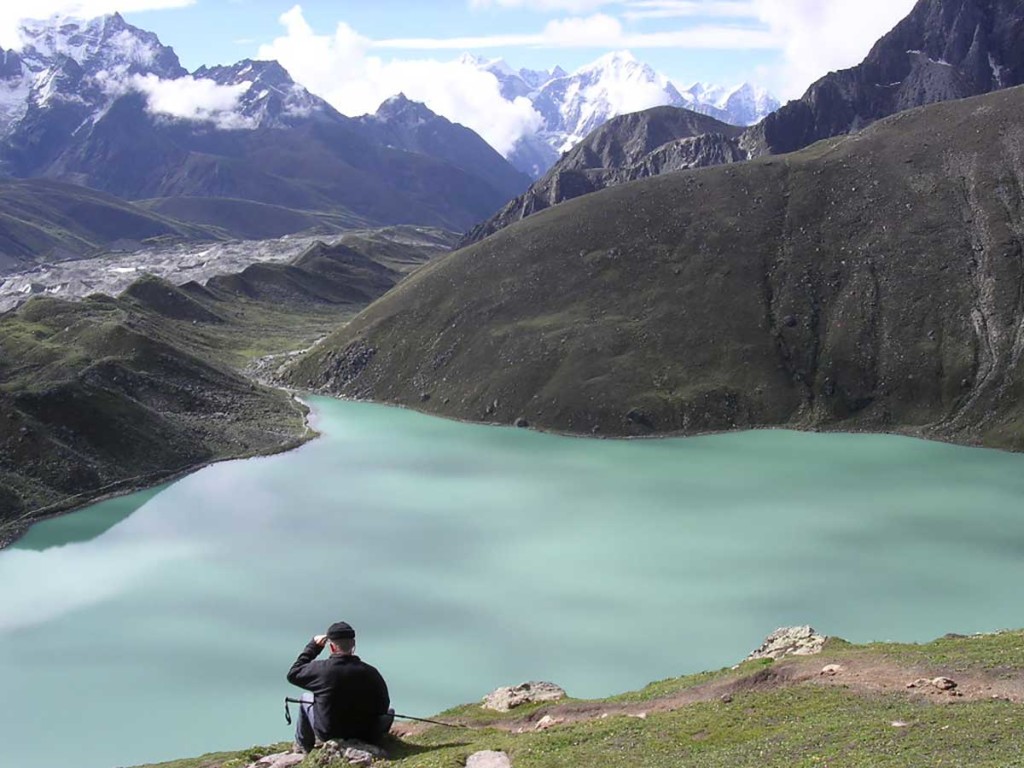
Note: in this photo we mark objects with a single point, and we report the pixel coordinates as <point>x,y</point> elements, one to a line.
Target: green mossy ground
<point>800,724</point>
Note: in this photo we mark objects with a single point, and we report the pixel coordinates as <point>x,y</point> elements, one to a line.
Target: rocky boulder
<point>789,641</point>
<point>504,699</point>
<point>488,759</point>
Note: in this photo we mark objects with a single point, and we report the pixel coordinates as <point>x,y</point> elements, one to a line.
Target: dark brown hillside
<point>874,281</point>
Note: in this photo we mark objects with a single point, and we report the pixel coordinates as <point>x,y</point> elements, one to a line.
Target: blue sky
<point>223,31</point>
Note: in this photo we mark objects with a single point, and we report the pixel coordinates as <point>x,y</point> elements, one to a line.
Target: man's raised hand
<point>320,640</point>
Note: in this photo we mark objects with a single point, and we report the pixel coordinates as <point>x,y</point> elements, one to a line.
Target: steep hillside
<point>322,164</point>
<point>869,282</point>
<point>625,148</point>
<point>105,393</point>
<point>50,221</point>
<point>409,125</point>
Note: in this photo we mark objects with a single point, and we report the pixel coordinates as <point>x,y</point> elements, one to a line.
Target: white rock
<point>488,759</point>
<point>832,669</point>
<point>280,760</point>
<point>504,699</point>
<point>789,641</point>
<point>357,756</point>
<point>548,722</point>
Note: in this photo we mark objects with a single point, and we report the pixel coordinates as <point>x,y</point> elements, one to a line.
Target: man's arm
<point>300,673</point>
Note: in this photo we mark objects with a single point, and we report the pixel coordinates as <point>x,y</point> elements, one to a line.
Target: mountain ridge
<point>840,287</point>
<point>903,70</point>
<point>104,104</point>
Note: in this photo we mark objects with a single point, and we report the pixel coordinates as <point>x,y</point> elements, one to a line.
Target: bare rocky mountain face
<point>871,282</point>
<point>83,102</point>
<point>945,49</point>
<point>626,148</point>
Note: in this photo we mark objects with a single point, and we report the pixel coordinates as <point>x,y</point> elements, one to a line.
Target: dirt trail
<point>862,675</point>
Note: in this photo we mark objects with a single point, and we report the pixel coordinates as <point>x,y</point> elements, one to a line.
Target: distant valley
<point>104,395</point>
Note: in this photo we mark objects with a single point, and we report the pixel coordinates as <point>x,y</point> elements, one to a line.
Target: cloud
<point>340,69</point>
<point>199,100</point>
<point>600,31</point>
<point>674,9</point>
<point>547,6</point>
<point>823,36</point>
<point>11,13</point>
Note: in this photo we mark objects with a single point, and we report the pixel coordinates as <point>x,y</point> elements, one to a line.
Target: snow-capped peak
<point>103,43</point>
<point>271,97</point>
<point>610,61</point>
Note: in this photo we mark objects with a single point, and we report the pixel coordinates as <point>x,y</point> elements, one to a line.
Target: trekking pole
<point>288,715</point>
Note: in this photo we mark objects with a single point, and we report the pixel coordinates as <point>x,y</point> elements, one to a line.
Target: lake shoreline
<point>12,531</point>
<point>9,535</point>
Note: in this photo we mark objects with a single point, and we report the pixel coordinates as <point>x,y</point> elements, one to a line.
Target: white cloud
<point>340,69</point>
<point>11,12</point>
<point>822,36</point>
<point>548,6</point>
<point>597,31</point>
<point>190,99</point>
<point>674,9</point>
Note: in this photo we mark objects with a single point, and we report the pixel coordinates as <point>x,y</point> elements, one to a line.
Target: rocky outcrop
<point>945,49</point>
<point>625,148</point>
<point>790,641</point>
<point>504,699</point>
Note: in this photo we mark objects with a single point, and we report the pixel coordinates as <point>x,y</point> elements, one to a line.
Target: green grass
<point>1001,652</point>
<point>804,725</point>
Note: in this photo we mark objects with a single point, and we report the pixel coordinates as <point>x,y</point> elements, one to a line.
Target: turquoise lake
<point>161,625</point>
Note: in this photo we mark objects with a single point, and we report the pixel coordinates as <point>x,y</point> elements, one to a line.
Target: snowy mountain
<point>269,98</point>
<point>573,105</point>
<point>74,66</point>
<point>743,105</point>
<point>103,104</point>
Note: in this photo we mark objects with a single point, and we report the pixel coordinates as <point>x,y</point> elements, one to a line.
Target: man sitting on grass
<point>346,698</point>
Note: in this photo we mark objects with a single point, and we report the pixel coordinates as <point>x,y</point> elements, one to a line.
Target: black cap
<point>340,631</point>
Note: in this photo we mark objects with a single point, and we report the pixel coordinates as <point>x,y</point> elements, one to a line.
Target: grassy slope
<point>48,220</point>
<point>805,722</point>
<point>109,394</point>
<point>249,220</point>
<point>869,282</point>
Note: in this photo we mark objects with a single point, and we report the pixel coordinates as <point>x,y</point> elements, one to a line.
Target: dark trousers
<point>305,727</point>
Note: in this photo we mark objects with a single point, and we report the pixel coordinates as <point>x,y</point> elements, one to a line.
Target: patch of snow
<point>997,70</point>
<point>14,96</point>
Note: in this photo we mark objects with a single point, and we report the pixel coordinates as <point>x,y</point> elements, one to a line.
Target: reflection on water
<point>98,519</point>
<point>495,555</point>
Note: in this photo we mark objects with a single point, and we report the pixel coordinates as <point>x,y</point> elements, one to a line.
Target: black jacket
<point>349,694</point>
